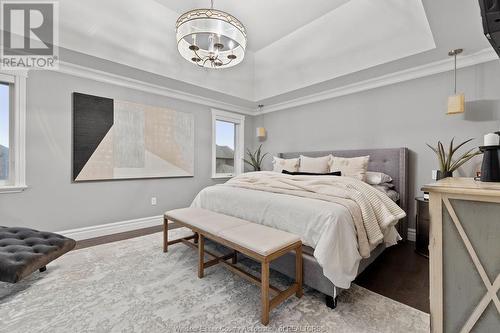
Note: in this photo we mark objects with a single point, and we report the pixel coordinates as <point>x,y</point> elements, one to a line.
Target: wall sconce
<point>456,103</point>
<point>261,131</point>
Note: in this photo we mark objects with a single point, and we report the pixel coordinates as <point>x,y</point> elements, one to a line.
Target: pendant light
<point>261,131</point>
<point>211,38</point>
<point>456,103</point>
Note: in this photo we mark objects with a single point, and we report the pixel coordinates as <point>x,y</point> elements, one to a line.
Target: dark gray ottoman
<point>23,251</point>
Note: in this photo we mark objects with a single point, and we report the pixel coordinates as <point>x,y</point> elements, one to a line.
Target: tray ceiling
<point>293,45</point>
<point>266,20</point>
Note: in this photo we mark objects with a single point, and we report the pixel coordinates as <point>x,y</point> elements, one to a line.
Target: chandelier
<point>211,38</point>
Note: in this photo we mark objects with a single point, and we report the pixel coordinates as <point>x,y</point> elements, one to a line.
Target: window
<point>12,132</point>
<point>227,144</point>
<point>4,133</point>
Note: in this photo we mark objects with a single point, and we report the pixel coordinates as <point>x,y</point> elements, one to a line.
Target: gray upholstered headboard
<point>393,162</point>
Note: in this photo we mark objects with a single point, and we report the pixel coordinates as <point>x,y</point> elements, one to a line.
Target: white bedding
<point>325,226</point>
<point>372,212</point>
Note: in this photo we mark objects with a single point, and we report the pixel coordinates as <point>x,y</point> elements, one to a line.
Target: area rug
<point>132,286</point>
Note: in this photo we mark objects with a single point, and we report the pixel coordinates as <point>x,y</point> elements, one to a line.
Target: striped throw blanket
<point>372,211</point>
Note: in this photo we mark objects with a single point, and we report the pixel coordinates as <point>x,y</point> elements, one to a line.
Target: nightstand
<point>422,227</point>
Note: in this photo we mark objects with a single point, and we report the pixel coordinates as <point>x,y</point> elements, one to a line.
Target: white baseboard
<point>112,228</point>
<point>412,235</point>
<point>145,222</point>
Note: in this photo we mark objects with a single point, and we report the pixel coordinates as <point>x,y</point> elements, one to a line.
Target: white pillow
<point>315,164</point>
<point>350,167</point>
<point>280,164</point>
<point>376,178</point>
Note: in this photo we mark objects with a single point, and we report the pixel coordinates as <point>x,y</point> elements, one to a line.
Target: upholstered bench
<point>23,251</point>
<point>261,243</point>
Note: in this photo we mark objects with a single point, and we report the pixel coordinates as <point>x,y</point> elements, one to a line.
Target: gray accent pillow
<point>376,178</point>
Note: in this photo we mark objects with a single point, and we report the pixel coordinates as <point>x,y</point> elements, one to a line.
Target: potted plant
<point>255,159</point>
<point>447,164</point>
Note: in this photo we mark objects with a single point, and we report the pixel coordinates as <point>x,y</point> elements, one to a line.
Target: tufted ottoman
<point>23,251</point>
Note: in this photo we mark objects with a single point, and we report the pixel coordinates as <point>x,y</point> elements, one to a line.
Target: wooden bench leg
<point>298,271</point>
<point>234,260</point>
<point>265,292</point>
<point>165,235</point>
<point>201,255</point>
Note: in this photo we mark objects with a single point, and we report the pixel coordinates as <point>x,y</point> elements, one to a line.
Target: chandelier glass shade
<point>211,38</point>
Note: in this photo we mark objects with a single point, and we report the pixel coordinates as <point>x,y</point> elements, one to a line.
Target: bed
<point>278,210</point>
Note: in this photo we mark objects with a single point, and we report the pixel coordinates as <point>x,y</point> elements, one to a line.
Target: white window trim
<point>240,144</point>
<point>17,144</point>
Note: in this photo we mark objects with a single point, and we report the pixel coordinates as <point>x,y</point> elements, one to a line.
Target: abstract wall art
<point>114,139</point>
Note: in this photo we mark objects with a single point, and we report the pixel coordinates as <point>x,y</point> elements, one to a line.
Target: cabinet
<point>464,253</point>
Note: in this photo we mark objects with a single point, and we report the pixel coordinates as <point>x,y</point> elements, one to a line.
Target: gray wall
<point>53,202</point>
<point>408,114</point>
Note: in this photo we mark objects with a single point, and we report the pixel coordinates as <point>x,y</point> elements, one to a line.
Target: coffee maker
<point>490,170</point>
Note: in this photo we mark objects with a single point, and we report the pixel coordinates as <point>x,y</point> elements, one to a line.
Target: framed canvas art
<point>115,139</point>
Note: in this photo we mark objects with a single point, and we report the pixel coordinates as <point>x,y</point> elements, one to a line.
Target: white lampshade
<point>211,38</point>
<point>456,104</point>
<point>261,132</point>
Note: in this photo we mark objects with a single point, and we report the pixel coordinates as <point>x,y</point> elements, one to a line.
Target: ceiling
<point>358,35</point>
<point>295,47</point>
<point>266,21</point>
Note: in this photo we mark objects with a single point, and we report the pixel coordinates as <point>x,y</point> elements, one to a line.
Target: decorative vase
<point>443,175</point>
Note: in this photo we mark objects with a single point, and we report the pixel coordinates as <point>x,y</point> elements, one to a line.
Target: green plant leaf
<point>450,154</point>
<point>262,158</point>
<point>255,158</point>
<point>462,162</point>
<point>460,145</point>
<point>438,155</point>
<point>446,161</point>
<point>250,163</point>
<point>442,157</point>
<point>433,149</point>
<point>249,153</point>
<point>252,160</point>
<point>464,159</point>
<point>255,164</point>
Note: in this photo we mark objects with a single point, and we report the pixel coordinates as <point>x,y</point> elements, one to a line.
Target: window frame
<point>17,131</point>
<point>239,121</point>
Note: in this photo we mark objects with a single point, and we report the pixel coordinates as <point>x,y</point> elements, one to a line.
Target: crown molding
<point>437,67</point>
<point>432,68</point>
<point>123,81</point>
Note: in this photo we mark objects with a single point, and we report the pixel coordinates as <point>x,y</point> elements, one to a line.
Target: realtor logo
<point>29,35</point>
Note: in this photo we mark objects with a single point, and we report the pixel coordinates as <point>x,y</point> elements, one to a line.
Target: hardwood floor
<point>121,236</point>
<point>399,273</point>
<point>116,237</point>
